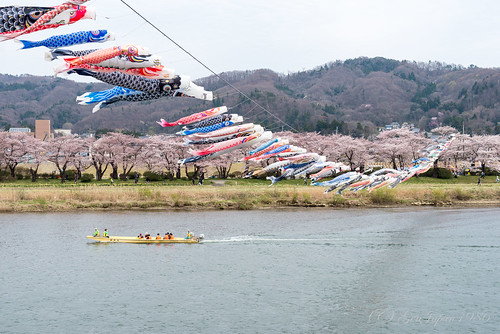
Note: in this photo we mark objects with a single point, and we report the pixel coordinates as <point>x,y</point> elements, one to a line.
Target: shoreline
<point>50,198</point>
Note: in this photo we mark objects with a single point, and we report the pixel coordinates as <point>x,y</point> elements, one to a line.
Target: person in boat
<point>147,236</point>
<point>96,232</point>
<point>158,236</point>
<point>170,236</point>
<point>189,235</point>
<point>140,236</point>
<point>105,233</point>
<point>166,237</point>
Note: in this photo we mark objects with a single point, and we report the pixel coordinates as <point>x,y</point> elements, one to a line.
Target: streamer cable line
<point>206,67</point>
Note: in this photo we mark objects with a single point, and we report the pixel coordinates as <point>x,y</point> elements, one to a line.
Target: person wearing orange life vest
<point>170,236</point>
<point>166,236</point>
<point>158,236</point>
<point>147,236</point>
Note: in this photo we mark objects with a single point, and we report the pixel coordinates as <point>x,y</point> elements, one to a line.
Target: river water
<point>288,271</point>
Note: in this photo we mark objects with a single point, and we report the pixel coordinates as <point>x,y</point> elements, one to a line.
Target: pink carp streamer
<point>227,144</point>
<point>195,117</point>
<point>99,56</point>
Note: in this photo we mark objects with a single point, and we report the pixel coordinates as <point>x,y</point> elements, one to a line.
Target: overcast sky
<point>284,36</point>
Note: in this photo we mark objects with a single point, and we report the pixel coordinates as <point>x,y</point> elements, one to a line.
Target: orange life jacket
<point>158,237</point>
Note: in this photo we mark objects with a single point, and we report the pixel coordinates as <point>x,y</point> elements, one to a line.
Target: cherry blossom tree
<point>128,150</point>
<point>399,146</point>
<point>327,146</point>
<point>122,151</point>
<point>465,150</point>
<point>13,148</point>
<point>389,149</point>
<point>62,152</point>
<point>108,144</point>
<point>495,161</point>
<point>82,160</point>
<point>150,157</point>
<point>161,154</point>
<point>458,151</point>
<point>36,155</point>
<point>353,151</point>
<point>442,131</point>
<point>101,153</point>
<point>488,150</point>
<point>224,163</point>
<point>313,142</point>
<point>308,140</point>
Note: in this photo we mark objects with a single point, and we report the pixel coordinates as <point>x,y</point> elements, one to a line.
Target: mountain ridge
<point>355,97</point>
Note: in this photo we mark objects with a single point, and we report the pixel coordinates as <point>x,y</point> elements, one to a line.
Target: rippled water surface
<point>288,271</point>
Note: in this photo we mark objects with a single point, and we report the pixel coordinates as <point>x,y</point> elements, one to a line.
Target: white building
<point>20,130</point>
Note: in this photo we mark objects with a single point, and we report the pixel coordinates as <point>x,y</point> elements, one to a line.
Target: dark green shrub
<point>86,177</point>
<point>131,175</point>
<point>4,175</point>
<point>191,175</point>
<point>443,173</point>
<point>151,176</point>
<point>22,173</point>
<point>70,174</point>
<point>488,171</point>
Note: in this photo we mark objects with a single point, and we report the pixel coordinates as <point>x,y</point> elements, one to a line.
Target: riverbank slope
<point>237,194</point>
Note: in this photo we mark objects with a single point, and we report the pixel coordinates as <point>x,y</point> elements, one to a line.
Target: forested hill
<point>352,97</point>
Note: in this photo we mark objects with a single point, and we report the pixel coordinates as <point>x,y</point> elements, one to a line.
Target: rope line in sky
<point>205,66</point>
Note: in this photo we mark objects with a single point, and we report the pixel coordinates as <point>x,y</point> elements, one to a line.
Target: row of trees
<point>118,154</point>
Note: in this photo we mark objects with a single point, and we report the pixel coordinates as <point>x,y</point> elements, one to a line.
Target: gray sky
<point>284,36</point>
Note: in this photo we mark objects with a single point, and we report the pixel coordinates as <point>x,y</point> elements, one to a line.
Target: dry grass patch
<point>460,194</point>
<point>247,196</point>
<point>383,197</point>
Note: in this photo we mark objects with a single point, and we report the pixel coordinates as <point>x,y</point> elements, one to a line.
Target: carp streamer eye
<point>35,14</point>
<point>133,50</point>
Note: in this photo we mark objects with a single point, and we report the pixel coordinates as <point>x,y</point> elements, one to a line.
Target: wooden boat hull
<point>135,240</point>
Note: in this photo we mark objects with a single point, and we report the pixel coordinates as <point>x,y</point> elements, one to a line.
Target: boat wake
<point>262,239</point>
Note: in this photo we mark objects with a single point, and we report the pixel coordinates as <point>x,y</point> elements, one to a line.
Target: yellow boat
<point>136,240</point>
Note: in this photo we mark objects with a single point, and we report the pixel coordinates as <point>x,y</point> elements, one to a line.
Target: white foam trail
<point>249,238</point>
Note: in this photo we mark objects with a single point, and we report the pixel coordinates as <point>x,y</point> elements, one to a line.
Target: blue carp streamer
<point>81,37</point>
